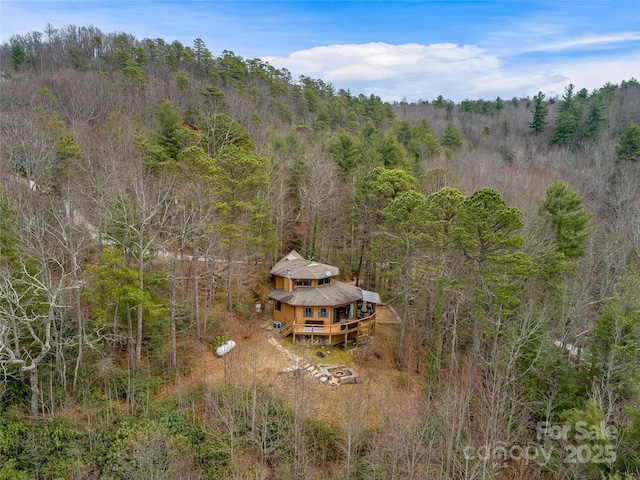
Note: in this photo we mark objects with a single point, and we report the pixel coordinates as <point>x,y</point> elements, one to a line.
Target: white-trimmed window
<point>308,312</point>
<point>323,312</point>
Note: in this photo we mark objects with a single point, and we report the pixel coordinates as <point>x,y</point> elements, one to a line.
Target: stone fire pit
<point>337,374</point>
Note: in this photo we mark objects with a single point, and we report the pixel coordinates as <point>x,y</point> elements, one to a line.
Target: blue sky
<point>401,49</point>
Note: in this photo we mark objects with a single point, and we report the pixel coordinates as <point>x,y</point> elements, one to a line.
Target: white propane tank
<point>226,348</point>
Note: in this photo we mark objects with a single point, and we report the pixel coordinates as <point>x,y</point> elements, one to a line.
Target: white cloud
<point>411,70</point>
<point>594,73</point>
<point>385,69</point>
<point>586,41</point>
<point>414,71</point>
<point>347,61</point>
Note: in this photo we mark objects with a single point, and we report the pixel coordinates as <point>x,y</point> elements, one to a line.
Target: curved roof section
<point>294,266</point>
<point>338,293</point>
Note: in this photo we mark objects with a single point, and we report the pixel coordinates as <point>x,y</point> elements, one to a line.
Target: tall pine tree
<point>540,112</point>
<point>568,218</point>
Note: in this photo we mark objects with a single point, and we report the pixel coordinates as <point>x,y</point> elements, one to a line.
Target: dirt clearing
<point>380,386</point>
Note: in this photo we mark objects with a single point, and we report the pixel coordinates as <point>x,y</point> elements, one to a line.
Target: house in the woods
<point>189,126</point>
<point>310,303</point>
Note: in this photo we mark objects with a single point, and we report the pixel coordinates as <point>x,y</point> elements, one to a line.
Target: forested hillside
<point>147,187</point>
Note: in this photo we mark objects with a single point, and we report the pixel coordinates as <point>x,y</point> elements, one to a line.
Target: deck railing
<point>286,330</point>
<point>362,325</point>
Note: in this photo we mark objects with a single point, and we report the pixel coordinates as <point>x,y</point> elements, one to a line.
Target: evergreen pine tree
<point>452,137</point>
<point>540,112</point>
<point>629,144</point>
<point>563,208</point>
<point>568,121</point>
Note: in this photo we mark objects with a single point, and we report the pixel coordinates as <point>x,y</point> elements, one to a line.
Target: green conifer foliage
<point>562,207</point>
<point>540,112</point>
<point>452,137</point>
<point>487,233</point>
<point>628,147</point>
<point>568,120</point>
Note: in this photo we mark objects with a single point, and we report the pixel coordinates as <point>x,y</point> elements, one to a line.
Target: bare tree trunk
<point>475,349</point>
<point>80,316</point>
<point>139,336</point>
<point>172,328</point>
<point>229,279</point>
<point>139,311</point>
<point>354,426</point>
<point>405,314</point>
<point>365,245</point>
<point>35,392</point>
<point>454,339</point>
<point>130,339</point>
<point>475,352</point>
<point>20,320</point>
<point>196,285</point>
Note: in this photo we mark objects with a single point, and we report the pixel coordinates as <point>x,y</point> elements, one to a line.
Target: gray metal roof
<point>294,266</point>
<point>337,293</point>
<point>371,297</point>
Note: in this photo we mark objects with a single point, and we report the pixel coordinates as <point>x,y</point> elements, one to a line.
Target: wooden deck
<point>336,332</point>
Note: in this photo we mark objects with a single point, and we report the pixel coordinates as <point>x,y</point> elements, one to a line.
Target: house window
<point>278,305</point>
<point>302,282</point>
<point>324,281</point>
<point>308,312</point>
<point>323,312</point>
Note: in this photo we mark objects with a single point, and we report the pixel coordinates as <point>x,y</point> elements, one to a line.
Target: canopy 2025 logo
<point>582,442</point>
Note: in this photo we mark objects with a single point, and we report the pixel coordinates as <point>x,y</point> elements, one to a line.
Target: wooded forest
<point>148,187</point>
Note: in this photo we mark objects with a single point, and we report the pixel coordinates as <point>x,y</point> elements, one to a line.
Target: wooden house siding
<point>307,287</point>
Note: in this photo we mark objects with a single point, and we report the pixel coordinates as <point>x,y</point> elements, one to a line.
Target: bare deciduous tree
<point>32,300</point>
